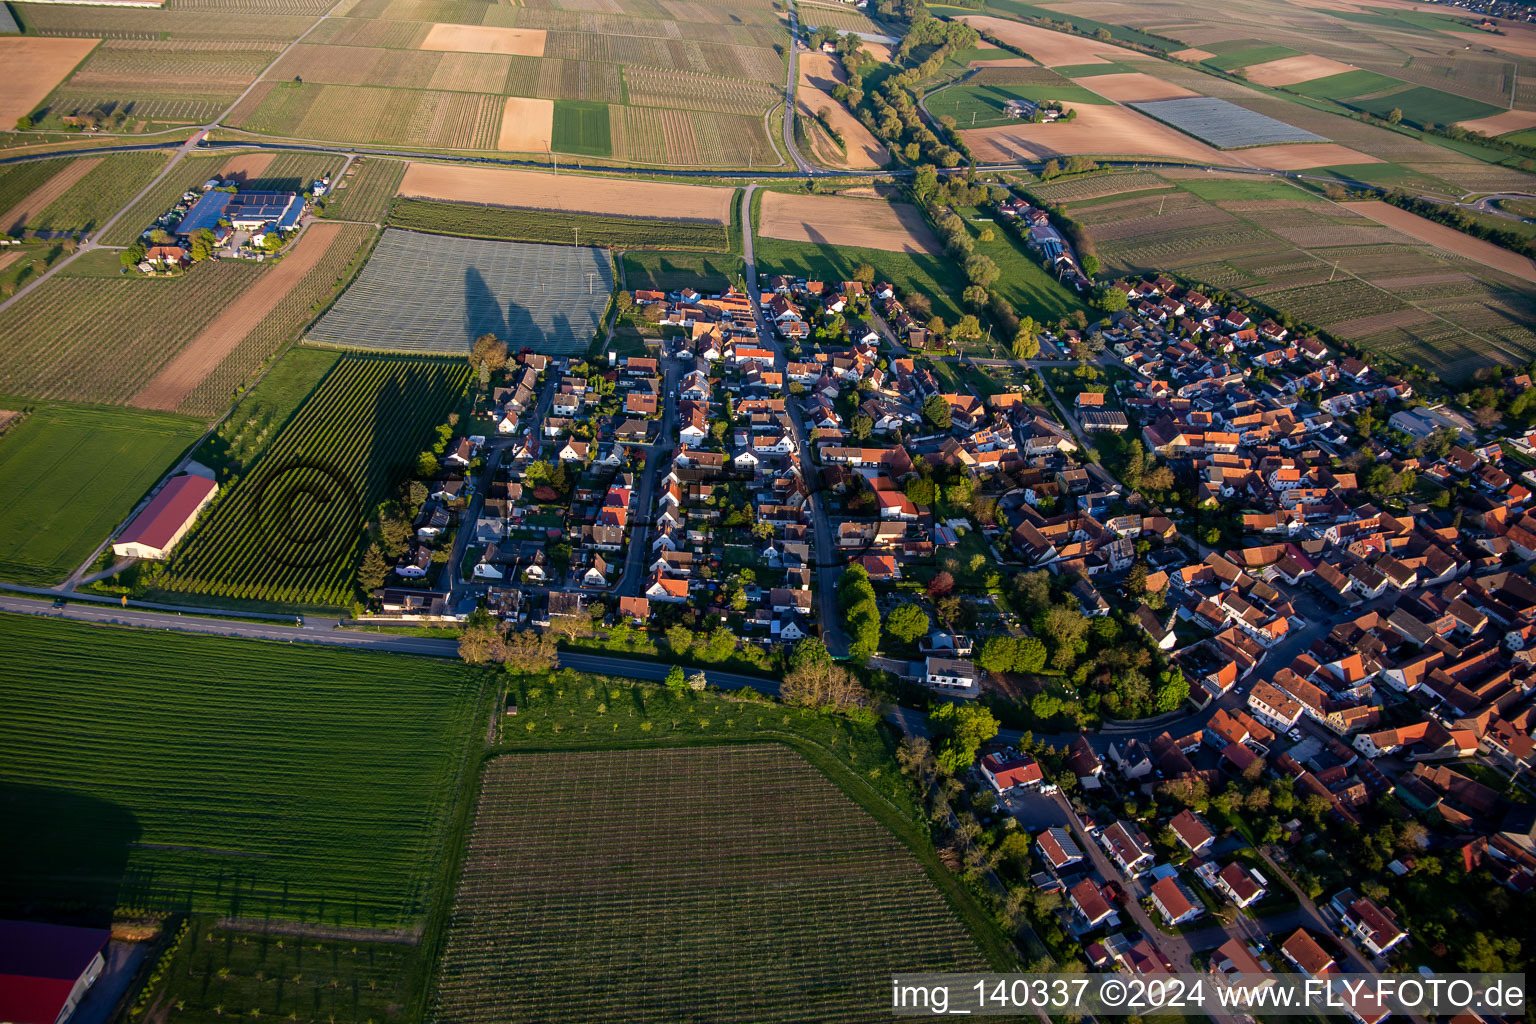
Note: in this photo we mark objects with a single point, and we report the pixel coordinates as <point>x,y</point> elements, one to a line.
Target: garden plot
<point>778,901</point>
<point>1301,155</point>
<point>437,294</point>
<point>838,220</point>
<point>1498,124</point>
<point>1224,125</point>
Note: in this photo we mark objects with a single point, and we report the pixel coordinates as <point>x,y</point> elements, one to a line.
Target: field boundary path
<point>801,164</point>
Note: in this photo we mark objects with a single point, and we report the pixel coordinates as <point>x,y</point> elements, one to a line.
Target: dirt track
<point>40,198</point>
<point>819,75</point>
<point>1099,129</point>
<point>527,125</point>
<point>575,193</point>
<point>31,66</point>
<point>203,354</point>
<point>1449,239</point>
<point>870,223</point>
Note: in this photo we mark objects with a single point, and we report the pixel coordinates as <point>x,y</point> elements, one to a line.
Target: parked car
<point>1295,735</point>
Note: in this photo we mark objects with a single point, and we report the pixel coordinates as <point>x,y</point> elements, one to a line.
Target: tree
<point>864,274</point>
<point>374,571</point>
<point>964,728</point>
<point>1014,851</point>
<point>133,255</point>
<point>942,583</point>
<point>530,652</point>
<point>919,490</point>
<point>676,681</point>
<point>202,244</point>
<point>810,651</point>
<point>936,411</point>
<point>981,270</point>
<point>907,622</point>
<point>679,640</point>
<point>1395,115</point>
<point>698,681</point>
<point>1089,263</point>
<point>481,642</point>
<point>488,350</point>
<point>1031,655</point>
<point>24,123</point>
<point>827,686</point>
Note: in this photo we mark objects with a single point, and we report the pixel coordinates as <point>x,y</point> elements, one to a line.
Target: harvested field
<point>1498,124</point>
<point>169,388</point>
<point>1134,86</point>
<point>516,42</point>
<point>247,167</point>
<point>14,219</point>
<point>880,51</point>
<point>1191,54</point>
<point>1053,49</point>
<point>1517,39</point>
<point>31,66</point>
<point>575,193</point>
<point>892,227</point>
<point>819,75</point>
<point>1097,129</point>
<point>1293,70</point>
<point>436,294</point>
<point>1301,155</point>
<point>527,125</point>
<point>1449,239</point>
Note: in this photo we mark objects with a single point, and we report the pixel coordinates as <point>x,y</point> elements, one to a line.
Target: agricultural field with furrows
<point>552,226</point>
<point>101,192</point>
<point>778,901</point>
<point>163,23</point>
<point>349,446</point>
<point>366,193</point>
<point>70,476</point>
<point>366,114</point>
<point>72,338</point>
<point>240,778</point>
<point>649,87</point>
<point>124,68</point>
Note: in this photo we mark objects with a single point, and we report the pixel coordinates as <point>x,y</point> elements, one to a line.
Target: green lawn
<point>1024,282</point>
<point>937,277</point>
<point>161,770</point>
<point>70,475</point>
<point>669,271</point>
<point>982,106</point>
<point>581,127</point>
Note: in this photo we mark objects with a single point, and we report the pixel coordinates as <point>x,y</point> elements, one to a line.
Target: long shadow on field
<point>522,332</point>
<point>66,855</point>
<point>482,310</point>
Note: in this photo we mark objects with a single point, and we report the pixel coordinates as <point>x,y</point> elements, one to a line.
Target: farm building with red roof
<point>168,516</point>
<point>45,969</point>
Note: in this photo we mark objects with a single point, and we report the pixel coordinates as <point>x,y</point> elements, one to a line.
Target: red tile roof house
<point>166,519</point>
<point>1195,834</point>
<point>1059,850</point>
<point>1129,847</point>
<point>1090,902</point>
<point>1171,900</point>
<point>1302,950</point>
<point>47,969</point>
<point>1373,927</point>
<point>1240,885</point>
<point>1007,772</point>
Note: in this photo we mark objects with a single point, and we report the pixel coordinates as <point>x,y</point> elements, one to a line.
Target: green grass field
<point>937,277</point>
<point>1425,106</point>
<point>1524,137</point>
<point>70,475</point>
<point>581,127</point>
<point>496,222</point>
<point>982,106</point>
<point>1024,282</point>
<point>262,412</point>
<point>165,771</point>
<point>667,271</point>
<point>1346,85</point>
<point>1240,53</point>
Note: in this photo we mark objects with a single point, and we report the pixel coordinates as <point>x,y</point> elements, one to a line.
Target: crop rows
<point>471,72</point>
<point>579,80</point>
<point>400,35</point>
<point>554,226</point>
<point>779,900</point>
<point>291,315</point>
<point>368,192</point>
<point>99,339</point>
<point>18,181</point>
<point>168,107</point>
<point>128,66</point>
<point>103,191</point>
<point>247,779</point>
<point>411,117</point>
<point>289,532</point>
<point>649,87</point>
<point>357,65</point>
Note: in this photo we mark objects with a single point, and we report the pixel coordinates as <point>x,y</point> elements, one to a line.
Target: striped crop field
<point>291,530</point>
<point>776,901</point>
<point>166,771</point>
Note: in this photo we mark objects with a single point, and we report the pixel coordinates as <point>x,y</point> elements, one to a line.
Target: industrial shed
<point>163,522</point>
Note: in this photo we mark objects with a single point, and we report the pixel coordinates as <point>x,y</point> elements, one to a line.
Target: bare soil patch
<point>1192,53</point>
<point>1449,239</point>
<point>31,66</point>
<point>1134,87</point>
<point>880,51</point>
<point>575,193</point>
<point>181,376</point>
<point>819,75</point>
<point>1053,49</point>
<point>7,417</point>
<point>893,227</point>
<point>1294,70</point>
<point>516,42</point>
<point>40,198</point>
<point>1098,129</point>
<point>1516,39</point>
<point>1498,124</point>
<point>248,167</point>
<point>1296,156</point>
<point>527,125</point>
